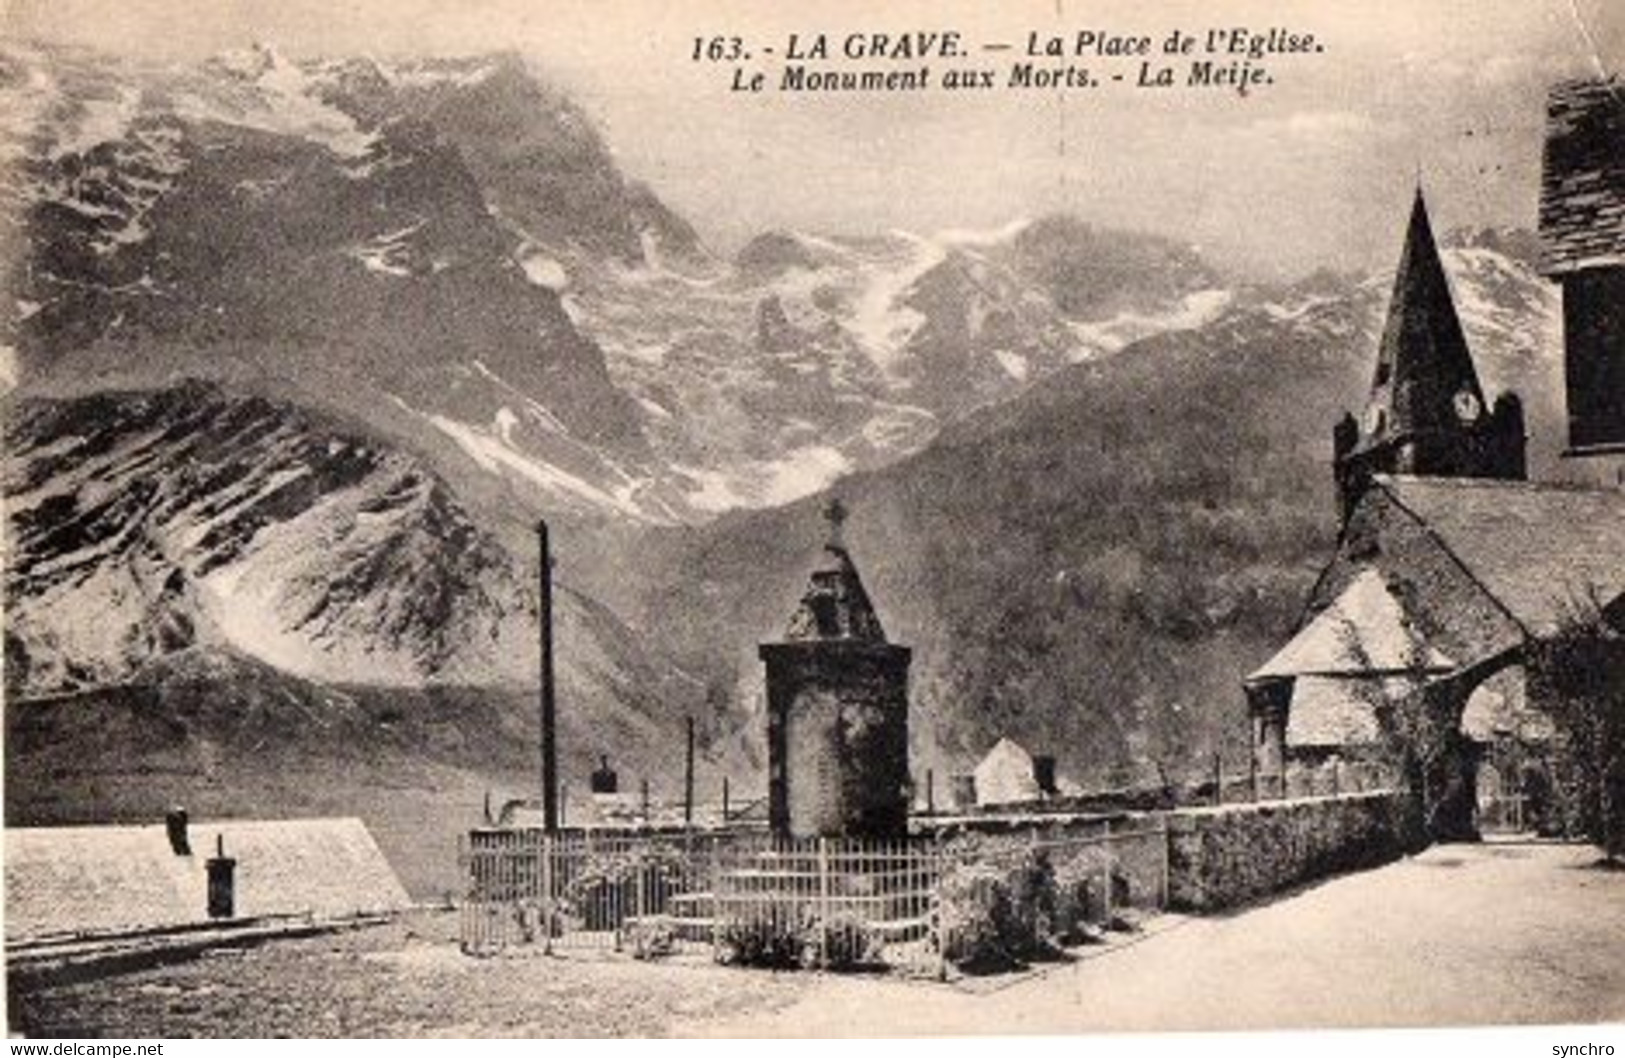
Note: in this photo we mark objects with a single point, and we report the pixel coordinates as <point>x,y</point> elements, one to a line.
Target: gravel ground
<point>1494,934</point>
<point>405,979</point>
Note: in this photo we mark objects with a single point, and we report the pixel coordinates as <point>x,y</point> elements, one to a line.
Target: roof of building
<point>1338,711</point>
<point>1542,553</point>
<point>1422,359</point>
<point>1363,632</point>
<point>1005,775</point>
<point>1582,194</point>
<point>94,879</point>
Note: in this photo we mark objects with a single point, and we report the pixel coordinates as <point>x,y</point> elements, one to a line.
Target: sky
<point>1315,170</point>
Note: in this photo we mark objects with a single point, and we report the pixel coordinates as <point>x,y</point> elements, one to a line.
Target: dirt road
<point>1461,935</point>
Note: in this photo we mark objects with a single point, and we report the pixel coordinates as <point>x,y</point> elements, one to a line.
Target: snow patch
<point>1194,310</point>
<point>26,104</point>
<point>544,271</point>
<point>386,254</point>
<point>1014,364</point>
<point>880,324</point>
<point>283,104</point>
<point>491,450</point>
<point>504,423</point>
<point>769,484</point>
<point>991,237</point>
<point>652,408</point>
<point>419,76</point>
<point>100,121</point>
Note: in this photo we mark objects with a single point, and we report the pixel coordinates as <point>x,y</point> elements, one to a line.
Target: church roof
<point>1538,551</point>
<point>1582,193</point>
<point>1422,360</point>
<point>1364,632</point>
<point>98,879</point>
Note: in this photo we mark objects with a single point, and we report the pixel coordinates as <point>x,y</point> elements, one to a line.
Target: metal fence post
<point>939,931</point>
<point>1167,837</point>
<point>548,902</point>
<point>715,842</point>
<point>1106,863</point>
<point>823,902</point>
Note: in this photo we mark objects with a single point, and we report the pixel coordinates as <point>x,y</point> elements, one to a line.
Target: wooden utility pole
<point>550,749</point>
<point>688,778</point>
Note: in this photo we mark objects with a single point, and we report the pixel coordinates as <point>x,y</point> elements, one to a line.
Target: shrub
<point>843,941</point>
<point>1080,895</point>
<point>651,938</point>
<point>775,941</point>
<point>604,889</point>
<point>996,912</point>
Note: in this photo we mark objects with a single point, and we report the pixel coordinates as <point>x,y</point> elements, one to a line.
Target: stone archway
<point>1452,747</point>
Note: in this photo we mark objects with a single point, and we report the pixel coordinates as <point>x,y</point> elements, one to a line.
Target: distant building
<point>1426,413</point>
<point>837,705</point>
<point>1582,227</point>
<point>107,879</point>
<point>1009,775</point>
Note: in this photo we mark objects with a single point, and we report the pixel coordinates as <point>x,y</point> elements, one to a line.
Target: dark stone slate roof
<point>1422,361</point>
<point>1538,551</point>
<point>1582,193</point>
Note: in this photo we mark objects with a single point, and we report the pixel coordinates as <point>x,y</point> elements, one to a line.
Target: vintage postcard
<point>717,518</point>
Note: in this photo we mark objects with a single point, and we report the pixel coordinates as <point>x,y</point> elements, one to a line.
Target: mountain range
<point>299,351</point>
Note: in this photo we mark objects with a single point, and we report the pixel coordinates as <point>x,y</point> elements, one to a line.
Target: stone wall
<point>1221,857</point>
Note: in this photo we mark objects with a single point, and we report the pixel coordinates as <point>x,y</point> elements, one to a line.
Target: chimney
<point>175,825</point>
<point>604,780</point>
<point>222,871</point>
<point>1044,775</point>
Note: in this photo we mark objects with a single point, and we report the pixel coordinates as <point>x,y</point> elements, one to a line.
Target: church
<point>1421,637</point>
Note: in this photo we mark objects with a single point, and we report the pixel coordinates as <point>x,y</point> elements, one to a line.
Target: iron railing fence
<point>913,904</point>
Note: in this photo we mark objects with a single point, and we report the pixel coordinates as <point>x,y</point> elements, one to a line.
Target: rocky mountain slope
<point>230,598</point>
<point>448,249</point>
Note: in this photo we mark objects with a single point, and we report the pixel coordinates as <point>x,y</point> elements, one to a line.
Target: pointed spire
<point>1423,365</point>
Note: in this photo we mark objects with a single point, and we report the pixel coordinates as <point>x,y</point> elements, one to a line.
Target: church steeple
<point>1426,412</point>
<point>1425,379</point>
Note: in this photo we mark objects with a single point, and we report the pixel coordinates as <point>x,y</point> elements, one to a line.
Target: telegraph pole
<point>550,749</point>
<point>688,778</point>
